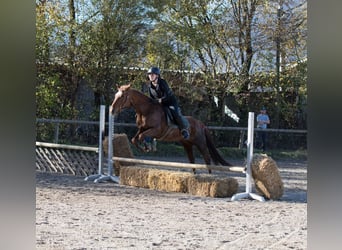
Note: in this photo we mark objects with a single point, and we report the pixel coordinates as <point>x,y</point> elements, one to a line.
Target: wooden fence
<point>298,136</point>
<point>66,159</point>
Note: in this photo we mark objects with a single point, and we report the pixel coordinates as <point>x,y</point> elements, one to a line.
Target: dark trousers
<point>262,140</point>
<point>179,118</point>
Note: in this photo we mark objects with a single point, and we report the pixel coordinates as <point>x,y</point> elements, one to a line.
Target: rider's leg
<point>181,121</point>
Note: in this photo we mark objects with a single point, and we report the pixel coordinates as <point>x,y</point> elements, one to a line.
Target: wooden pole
<point>181,165</point>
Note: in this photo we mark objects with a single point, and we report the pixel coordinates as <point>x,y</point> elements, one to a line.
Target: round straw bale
<point>266,176</point>
<point>121,148</point>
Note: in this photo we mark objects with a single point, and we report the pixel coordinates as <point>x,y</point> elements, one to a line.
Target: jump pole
<point>100,177</point>
<point>248,193</point>
<point>168,164</point>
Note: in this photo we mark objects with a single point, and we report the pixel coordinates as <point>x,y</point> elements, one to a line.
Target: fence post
<point>56,132</point>
<point>242,139</point>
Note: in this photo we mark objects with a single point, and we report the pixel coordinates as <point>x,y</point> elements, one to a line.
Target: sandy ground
<point>75,214</point>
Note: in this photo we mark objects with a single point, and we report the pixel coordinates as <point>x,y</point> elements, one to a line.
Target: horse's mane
<point>135,91</point>
<point>143,103</point>
<point>138,92</point>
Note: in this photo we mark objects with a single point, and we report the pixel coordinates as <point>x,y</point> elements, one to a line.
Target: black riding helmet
<point>154,70</point>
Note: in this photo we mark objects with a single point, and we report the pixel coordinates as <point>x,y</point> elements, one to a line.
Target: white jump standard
<point>100,177</point>
<point>248,193</point>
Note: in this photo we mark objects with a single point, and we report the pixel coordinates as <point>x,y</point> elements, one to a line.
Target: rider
<point>160,91</point>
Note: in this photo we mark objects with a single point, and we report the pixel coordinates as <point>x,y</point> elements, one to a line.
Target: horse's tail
<point>215,155</point>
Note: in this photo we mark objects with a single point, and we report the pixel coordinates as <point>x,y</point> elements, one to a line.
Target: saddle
<point>169,117</point>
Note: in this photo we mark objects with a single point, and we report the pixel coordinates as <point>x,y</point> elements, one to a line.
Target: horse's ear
<point>128,86</point>
<point>117,86</point>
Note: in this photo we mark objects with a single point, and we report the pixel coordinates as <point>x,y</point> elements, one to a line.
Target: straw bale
<point>134,176</point>
<point>178,181</point>
<point>170,181</point>
<point>121,148</point>
<point>212,185</point>
<point>266,176</point>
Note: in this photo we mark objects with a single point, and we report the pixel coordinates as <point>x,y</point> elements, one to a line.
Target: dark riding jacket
<point>162,91</point>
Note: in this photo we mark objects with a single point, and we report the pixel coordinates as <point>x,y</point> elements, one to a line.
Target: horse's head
<point>121,100</point>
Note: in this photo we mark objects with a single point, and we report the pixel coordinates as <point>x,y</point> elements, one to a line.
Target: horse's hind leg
<point>190,154</point>
<point>205,153</point>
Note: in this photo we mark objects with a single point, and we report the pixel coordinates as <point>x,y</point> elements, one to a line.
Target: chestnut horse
<point>151,121</point>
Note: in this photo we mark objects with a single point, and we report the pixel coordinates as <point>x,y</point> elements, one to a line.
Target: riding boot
<point>182,123</point>
<point>185,127</point>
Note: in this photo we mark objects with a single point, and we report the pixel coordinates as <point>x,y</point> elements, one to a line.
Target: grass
<point>175,150</point>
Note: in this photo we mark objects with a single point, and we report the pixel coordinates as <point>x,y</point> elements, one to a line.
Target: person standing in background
<point>262,121</point>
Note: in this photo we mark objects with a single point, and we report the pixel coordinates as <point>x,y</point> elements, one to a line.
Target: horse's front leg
<point>145,134</point>
<point>136,141</point>
<point>139,143</point>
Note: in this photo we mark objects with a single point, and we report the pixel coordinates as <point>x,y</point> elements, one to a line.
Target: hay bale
<point>212,185</point>
<point>177,181</point>
<point>134,176</point>
<point>121,148</point>
<point>170,181</point>
<point>266,177</point>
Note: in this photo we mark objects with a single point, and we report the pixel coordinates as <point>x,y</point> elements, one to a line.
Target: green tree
<point>57,74</point>
<point>112,40</point>
<point>217,40</point>
<point>206,48</point>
